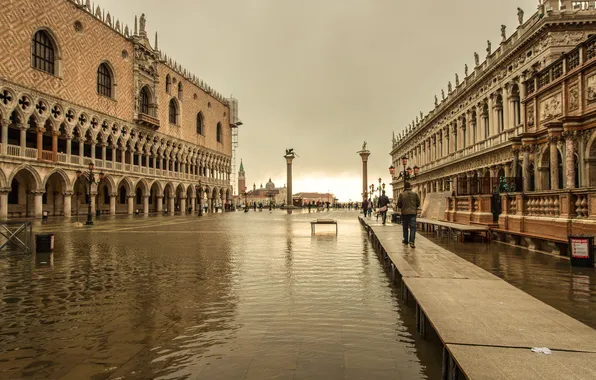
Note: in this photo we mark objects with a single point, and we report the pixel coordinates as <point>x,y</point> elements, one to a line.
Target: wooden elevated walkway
<point>486,325</point>
<point>454,228</point>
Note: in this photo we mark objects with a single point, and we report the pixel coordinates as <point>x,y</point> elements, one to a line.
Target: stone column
<point>554,163</point>
<point>55,146</point>
<point>67,204</point>
<point>113,204</point>
<point>93,144</point>
<point>171,205</point>
<point>507,114</point>
<point>526,167</point>
<point>92,198</point>
<point>130,201</point>
<point>38,206</point>
<point>23,140</point>
<point>364,155</point>
<point>193,202</point>
<point>39,142</point>
<point>4,136</point>
<point>159,200</point>
<point>4,202</point>
<point>81,151</point>
<point>209,203</point>
<point>104,154</point>
<point>68,148</point>
<point>289,201</point>
<point>570,161</point>
<point>183,205</point>
<point>146,205</point>
<point>123,157</point>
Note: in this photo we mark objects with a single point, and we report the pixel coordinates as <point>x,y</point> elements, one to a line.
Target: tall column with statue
<point>289,156</point>
<point>364,153</point>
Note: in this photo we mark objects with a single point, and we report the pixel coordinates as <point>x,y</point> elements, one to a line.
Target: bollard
<point>44,242</point>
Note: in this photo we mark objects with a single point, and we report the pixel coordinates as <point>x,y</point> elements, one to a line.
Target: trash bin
<point>395,218</point>
<point>581,250</point>
<point>44,215</point>
<point>44,242</point>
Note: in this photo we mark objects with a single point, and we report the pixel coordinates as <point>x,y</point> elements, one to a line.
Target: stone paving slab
<point>494,313</point>
<point>492,363</point>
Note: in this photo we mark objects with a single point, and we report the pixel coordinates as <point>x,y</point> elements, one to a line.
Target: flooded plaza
<point>233,296</point>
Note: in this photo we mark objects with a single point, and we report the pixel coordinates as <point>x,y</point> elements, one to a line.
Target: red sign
<point>580,248</point>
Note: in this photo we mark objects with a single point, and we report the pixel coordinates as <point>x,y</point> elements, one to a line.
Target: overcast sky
<point>322,76</point>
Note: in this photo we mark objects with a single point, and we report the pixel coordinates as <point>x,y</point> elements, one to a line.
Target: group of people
<point>408,202</point>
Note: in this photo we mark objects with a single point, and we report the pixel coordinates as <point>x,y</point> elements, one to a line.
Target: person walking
<point>365,207</point>
<point>369,207</point>
<point>383,206</point>
<point>408,202</point>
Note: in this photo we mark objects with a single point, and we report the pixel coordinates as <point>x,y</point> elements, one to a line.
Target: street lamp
<point>245,202</point>
<point>90,177</point>
<point>200,196</point>
<point>408,173</point>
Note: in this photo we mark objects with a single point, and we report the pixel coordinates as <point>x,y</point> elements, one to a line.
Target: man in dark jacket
<point>383,206</point>
<point>408,202</point>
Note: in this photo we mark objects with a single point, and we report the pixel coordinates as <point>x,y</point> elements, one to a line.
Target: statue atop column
<point>504,32</point>
<point>364,146</point>
<point>520,15</point>
<point>489,48</point>
<point>443,94</point>
<point>466,69</point>
<point>449,88</point>
<point>456,80</point>
<point>436,101</point>
<point>142,21</point>
<point>476,59</point>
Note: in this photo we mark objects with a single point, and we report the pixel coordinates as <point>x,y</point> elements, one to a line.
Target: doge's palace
<point>519,123</point>
<point>77,85</point>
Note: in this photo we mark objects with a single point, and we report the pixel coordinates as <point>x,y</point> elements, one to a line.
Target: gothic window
<point>180,90</point>
<point>486,121</point>
<point>173,112</point>
<point>219,133</point>
<point>168,83</point>
<point>43,52</point>
<point>104,80</point>
<point>200,124</point>
<point>516,105</point>
<point>145,100</point>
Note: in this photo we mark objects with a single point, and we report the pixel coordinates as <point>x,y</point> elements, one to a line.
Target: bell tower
<point>241,179</point>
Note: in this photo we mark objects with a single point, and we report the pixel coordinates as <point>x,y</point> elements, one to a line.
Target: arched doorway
<point>24,198</point>
<point>55,187</point>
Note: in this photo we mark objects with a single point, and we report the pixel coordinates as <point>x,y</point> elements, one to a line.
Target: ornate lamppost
<point>407,174</point>
<point>90,178</point>
<point>199,189</point>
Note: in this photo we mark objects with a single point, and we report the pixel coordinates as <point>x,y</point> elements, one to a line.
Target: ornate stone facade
<point>520,123</point>
<point>160,132</point>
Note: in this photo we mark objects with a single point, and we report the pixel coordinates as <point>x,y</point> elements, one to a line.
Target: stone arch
<point>127,183</point>
<point>62,174</point>
<point>168,189</point>
<point>3,182</point>
<point>144,186</point>
<point>37,181</point>
<point>590,161</point>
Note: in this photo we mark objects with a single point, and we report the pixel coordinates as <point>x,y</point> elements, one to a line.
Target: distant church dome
<point>270,185</point>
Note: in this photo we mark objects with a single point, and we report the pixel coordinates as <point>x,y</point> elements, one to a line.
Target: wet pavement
<point>548,278</point>
<point>234,296</point>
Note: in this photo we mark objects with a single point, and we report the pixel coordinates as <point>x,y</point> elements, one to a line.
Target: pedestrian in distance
<point>369,207</point>
<point>408,202</point>
<point>365,207</point>
<point>383,206</point>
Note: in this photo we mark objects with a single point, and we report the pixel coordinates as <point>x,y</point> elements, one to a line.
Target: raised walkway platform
<point>486,325</point>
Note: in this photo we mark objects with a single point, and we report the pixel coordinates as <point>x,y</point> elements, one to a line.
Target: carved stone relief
<point>573,97</point>
<point>551,107</point>
<point>530,112</point>
<point>591,89</point>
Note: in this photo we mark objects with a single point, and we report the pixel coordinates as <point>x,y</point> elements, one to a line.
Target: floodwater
<point>548,278</point>
<point>233,296</point>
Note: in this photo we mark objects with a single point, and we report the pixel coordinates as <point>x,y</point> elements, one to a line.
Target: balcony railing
<point>13,150</point>
<point>47,155</point>
<point>31,153</point>
<point>108,165</point>
<point>75,160</point>
<point>62,157</point>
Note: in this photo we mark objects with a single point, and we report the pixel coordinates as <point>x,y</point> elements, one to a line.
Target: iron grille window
<point>530,86</point>
<point>168,83</point>
<point>173,112</point>
<point>543,79</point>
<point>199,123</point>
<point>42,52</point>
<point>591,49</point>
<point>573,60</point>
<point>557,70</point>
<point>219,136</point>
<point>104,80</point>
<point>144,101</point>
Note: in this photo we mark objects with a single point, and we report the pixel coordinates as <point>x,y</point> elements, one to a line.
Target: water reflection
<point>238,296</point>
<point>550,279</point>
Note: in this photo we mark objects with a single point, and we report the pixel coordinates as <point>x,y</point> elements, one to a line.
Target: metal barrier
<point>11,230</point>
